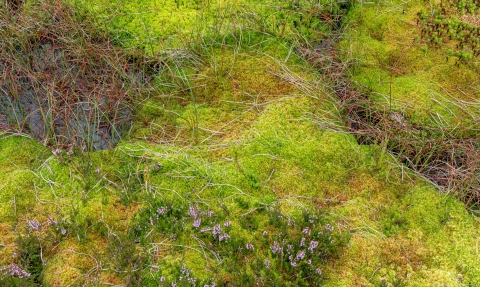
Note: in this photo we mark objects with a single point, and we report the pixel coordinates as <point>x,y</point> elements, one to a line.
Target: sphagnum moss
<point>246,208</point>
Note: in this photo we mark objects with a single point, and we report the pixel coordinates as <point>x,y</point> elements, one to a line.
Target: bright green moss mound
<point>156,25</point>
<point>407,72</point>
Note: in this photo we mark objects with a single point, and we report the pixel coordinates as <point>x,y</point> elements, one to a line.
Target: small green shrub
<point>29,252</point>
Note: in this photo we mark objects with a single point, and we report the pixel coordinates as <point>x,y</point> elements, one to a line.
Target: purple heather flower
<point>302,242</point>
<point>197,222</point>
<point>224,236</point>
<point>276,248</point>
<point>34,224</point>
<point>193,211</point>
<point>249,246</point>
<point>70,152</point>
<point>306,231</point>
<point>217,230</point>
<point>293,263</point>
<point>309,261</point>
<point>162,279</point>
<point>318,271</point>
<point>51,220</point>
<point>313,245</point>
<point>300,255</point>
<point>227,223</point>
<point>162,210</point>
<point>212,284</point>
<point>267,263</point>
<point>56,151</point>
<point>97,170</point>
<point>14,270</point>
<point>64,231</point>
<point>265,233</point>
<point>329,227</point>
<point>192,281</point>
<point>185,271</point>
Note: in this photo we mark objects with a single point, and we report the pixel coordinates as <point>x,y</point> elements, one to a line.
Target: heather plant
<point>14,275</point>
<point>180,276</point>
<point>32,245</point>
<point>280,249</point>
<point>124,255</point>
<point>29,253</point>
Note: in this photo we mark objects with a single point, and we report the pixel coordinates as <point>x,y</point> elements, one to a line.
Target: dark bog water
<point>66,99</point>
<point>62,80</point>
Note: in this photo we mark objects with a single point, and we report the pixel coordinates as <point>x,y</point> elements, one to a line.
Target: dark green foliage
<point>123,254</point>
<point>29,254</point>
